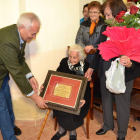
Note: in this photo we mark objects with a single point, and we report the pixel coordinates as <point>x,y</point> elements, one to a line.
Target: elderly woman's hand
<point>89,48</point>
<point>89,73</point>
<point>125,61</point>
<point>82,103</point>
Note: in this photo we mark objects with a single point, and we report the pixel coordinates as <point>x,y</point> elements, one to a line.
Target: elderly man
<point>13,39</point>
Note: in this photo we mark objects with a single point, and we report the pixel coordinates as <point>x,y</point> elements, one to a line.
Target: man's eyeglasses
<point>95,12</point>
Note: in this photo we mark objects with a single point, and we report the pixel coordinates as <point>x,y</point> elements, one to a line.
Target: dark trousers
<point>122,102</point>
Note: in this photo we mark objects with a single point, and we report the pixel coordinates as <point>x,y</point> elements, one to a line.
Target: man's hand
<point>41,103</point>
<point>34,84</point>
<point>83,102</point>
<point>89,73</point>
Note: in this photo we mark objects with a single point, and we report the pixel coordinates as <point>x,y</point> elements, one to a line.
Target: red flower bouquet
<point>119,16</point>
<point>134,10</point>
<point>124,36</point>
<point>123,41</point>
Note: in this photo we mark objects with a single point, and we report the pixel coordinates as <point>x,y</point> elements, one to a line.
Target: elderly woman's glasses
<point>95,12</point>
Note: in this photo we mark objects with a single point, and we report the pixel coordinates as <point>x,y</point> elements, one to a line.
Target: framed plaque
<point>64,91</point>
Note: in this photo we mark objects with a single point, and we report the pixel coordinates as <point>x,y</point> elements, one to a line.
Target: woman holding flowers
<point>111,8</point>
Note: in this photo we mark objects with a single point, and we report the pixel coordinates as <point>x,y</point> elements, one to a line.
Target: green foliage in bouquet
<point>129,20</point>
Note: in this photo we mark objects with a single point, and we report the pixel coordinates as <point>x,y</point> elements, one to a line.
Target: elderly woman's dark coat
<point>66,120</point>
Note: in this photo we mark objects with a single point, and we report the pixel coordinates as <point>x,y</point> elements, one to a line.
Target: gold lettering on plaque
<point>62,90</point>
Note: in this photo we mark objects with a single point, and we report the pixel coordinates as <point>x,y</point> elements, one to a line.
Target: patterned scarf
<point>79,69</point>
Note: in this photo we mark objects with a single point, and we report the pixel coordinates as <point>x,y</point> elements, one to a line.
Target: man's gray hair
<point>79,49</point>
<point>27,18</point>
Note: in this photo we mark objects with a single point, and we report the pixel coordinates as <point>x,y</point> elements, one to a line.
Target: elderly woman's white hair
<point>78,49</point>
<point>27,18</point>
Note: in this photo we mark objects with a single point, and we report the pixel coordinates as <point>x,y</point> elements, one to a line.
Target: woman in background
<point>129,5</point>
<point>88,35</point>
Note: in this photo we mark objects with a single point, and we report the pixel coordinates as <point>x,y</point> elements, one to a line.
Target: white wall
<point>58,30</point>
<point>58,23</point>
<point>9,12</point>
<point>125,1</point>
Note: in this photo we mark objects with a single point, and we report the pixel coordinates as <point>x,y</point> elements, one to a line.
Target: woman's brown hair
<point>116,6</point>
<point>94,4</point>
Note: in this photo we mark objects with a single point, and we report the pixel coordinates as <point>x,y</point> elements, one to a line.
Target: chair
<point>92,83</point>
<point>136,89</point>
<point>90,111</point>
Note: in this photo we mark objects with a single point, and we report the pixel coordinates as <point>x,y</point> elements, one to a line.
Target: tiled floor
<point>31,129</point>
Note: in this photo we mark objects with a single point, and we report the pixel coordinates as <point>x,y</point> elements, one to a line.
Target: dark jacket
<point>12,58</point>
<point>63,67</point>
<point>83,37</point>
<point>97,64</point>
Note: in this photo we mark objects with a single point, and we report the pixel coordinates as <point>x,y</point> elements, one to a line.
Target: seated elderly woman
<point>73,64</point>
